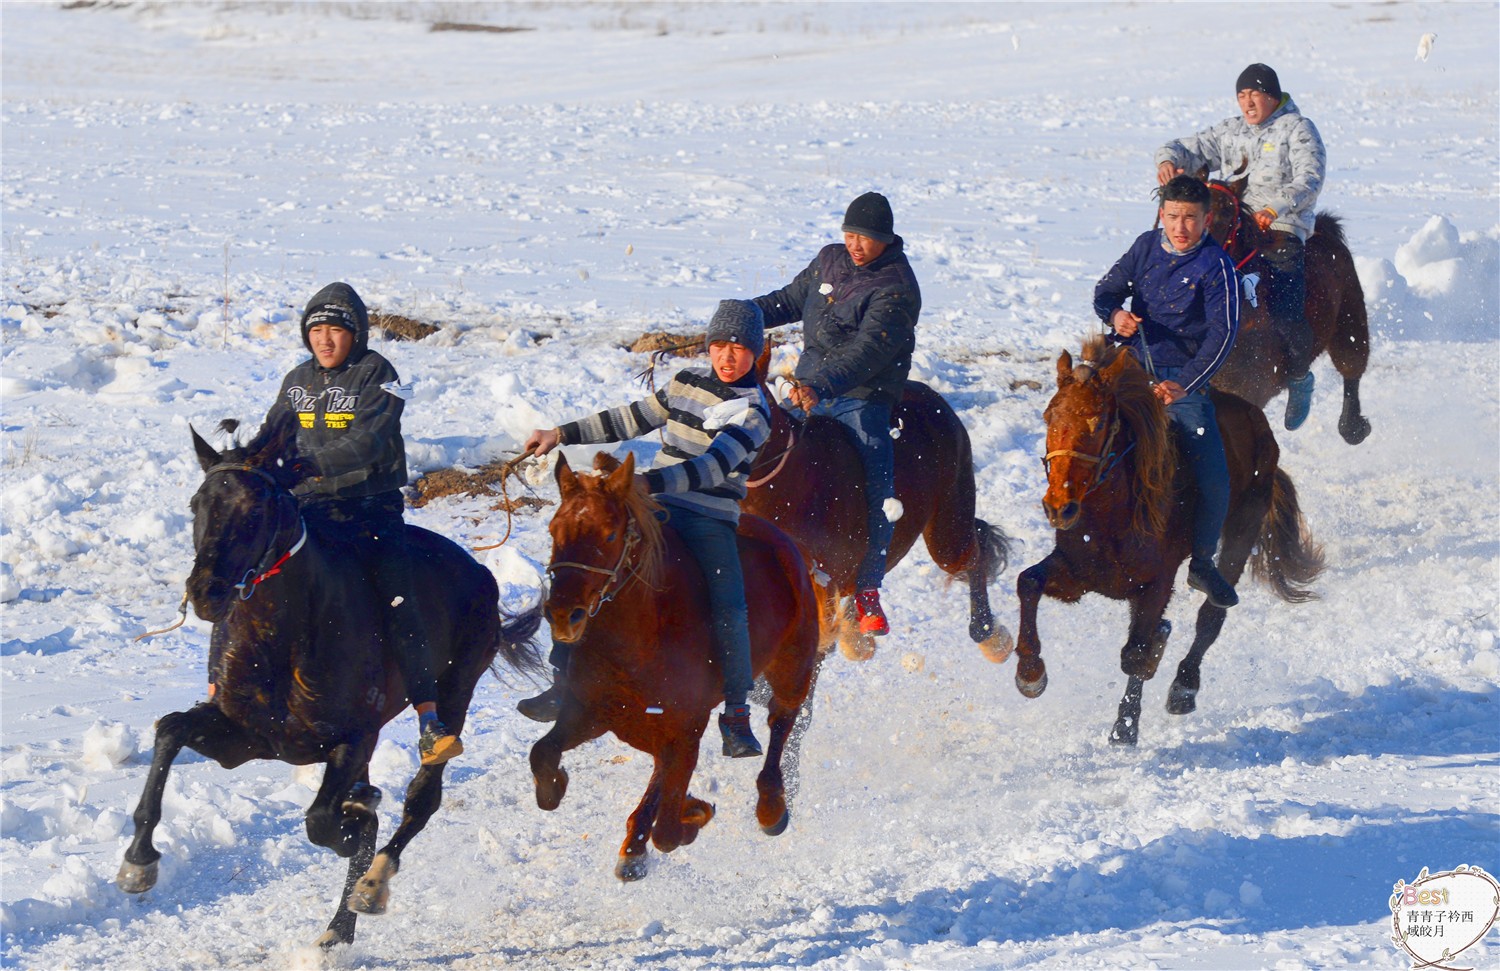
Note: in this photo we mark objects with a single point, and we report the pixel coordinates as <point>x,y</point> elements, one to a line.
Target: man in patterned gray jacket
<point>1281,154</point>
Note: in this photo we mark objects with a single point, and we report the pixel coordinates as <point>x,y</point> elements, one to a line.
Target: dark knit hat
<point>1260,78</point>
<point>870,215</point>
<point>737,322</point>
<point>339,305</point>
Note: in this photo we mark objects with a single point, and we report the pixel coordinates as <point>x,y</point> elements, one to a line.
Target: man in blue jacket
<point>1183,318</point>
<point>858,302</point>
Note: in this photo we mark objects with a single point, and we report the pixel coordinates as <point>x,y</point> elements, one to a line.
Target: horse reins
<point>1104,461</point>
<point>1234,227</point>
<point>610,590</point>
<point>780,462</point>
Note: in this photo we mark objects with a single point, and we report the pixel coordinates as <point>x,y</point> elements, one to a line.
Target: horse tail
<point>1330,225</point>
<point>516,642</point>
<point>995,548</point>
<point>1287,559</point>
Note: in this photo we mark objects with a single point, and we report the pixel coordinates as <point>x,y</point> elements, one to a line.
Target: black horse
<point>300,667</point>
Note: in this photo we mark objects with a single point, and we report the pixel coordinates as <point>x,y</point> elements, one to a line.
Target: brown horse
<point>1123,507</point>
<point>630,598</point>
<point>809,480</point>
<point>1335,310</point>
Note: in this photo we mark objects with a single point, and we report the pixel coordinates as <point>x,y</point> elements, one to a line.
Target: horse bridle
<point>1103,461</point>
<point>611,588</point>
<point>1234,227</point>
<point>265,569</point>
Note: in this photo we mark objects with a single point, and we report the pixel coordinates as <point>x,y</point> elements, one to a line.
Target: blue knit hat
<point>738,322</point>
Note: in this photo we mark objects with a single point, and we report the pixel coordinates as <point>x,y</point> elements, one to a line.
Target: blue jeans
<point>870,424</point>
<point>1204,451</point>
<point>712,543</point>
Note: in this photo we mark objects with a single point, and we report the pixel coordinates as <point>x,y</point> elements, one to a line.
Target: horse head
<point>1232,223</point>
<point>604,534</point>
<point>244,517</point>
<point>1104,410</point>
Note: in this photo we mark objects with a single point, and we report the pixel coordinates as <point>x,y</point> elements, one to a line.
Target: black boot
<point>545,707</point>
<point>1299,392</point>
<point>739,740</point>
<point>1204,577</point>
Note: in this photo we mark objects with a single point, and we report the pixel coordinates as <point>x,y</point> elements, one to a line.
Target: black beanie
<point>870,215</point>
<point>1260,78</point>
<point>738,322</point>
<point>339,305</point>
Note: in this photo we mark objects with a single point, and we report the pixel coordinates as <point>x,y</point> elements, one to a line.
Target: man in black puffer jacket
<point>346,401</point>
<point>858,302</point>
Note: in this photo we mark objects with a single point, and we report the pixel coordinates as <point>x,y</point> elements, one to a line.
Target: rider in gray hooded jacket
<point>1281,154</point>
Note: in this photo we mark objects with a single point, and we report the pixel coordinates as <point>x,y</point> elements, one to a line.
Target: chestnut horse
<point>301,667</point>
<point>809,480</point>
<point>630,598</point>
<point>1335,310</point>
<point>1123,510</point>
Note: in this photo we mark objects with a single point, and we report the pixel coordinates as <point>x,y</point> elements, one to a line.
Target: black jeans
<point>374,526</point>
<point>1286,299</point>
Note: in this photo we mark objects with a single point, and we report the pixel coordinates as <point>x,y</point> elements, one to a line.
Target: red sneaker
<point>871,618</point>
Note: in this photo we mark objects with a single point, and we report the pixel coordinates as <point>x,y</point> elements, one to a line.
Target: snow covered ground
<point>179,178</point>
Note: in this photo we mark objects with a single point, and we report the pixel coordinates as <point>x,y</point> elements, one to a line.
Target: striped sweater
<point>713,431</point>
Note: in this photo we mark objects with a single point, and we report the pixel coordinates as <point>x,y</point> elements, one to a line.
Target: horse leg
<point>1053,577</point>
<point>361,813</point>
<point>631,864</point>
<point>371,893</point>
<point>1241,529</point>
<point>679,758</point>
<point>853,644</point>
<point>1354,427</point>
<point>1349,350</point>
<point>771,809</point>
<point>203,728</point>
<point>1141,655</point>
<point>327,823</point>
<point>568,732</point>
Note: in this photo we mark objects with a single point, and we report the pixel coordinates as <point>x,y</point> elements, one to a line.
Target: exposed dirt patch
<point>399,328</point>
<point>477,28</point>
<point>485,482</point>
<point>662,342</point>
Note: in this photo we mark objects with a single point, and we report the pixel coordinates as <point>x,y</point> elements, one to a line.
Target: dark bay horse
<point>630,598</point>
<point>809,480</point>
<point>300,668</point>
<point>1335,310</point>
<point>1123,511</point>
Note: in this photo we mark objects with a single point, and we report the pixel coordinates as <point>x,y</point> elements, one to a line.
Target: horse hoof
<point>778,827</point>
<point>373,891</point>
<point>550,792</point>
<point>136,877</point>
<point>860,647</point>
<point>1356,431</point>
<point>1031,689</point>
<point>631,868</point>
<point>331,939</point>
<point>1123,734</point>
<point>1182,701</point>
<point>998,646</point>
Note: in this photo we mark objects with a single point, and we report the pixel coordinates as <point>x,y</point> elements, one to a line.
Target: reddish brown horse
<point>630,598</point>
<point>1123,510</point>
<point>809,480</point>
<point>1335,310</point>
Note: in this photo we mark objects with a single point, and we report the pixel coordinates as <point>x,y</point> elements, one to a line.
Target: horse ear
<point>1064,369</point>
<point>605,462</point>
<point>1112,370</point>
<point>207,457</point>
<point>763,363</point>
<point>567,479</point>
<point>622,479</point>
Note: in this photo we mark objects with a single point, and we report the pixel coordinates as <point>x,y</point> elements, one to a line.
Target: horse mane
<point>645,512</point>
<point>1154,457</point>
